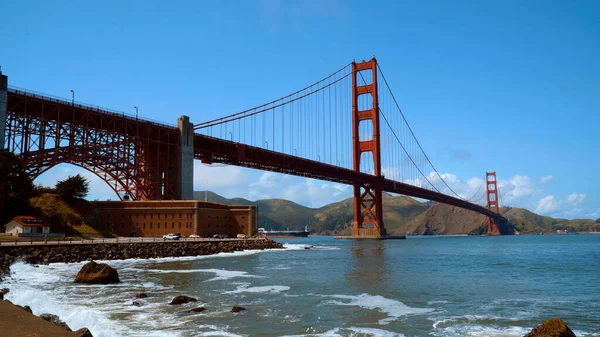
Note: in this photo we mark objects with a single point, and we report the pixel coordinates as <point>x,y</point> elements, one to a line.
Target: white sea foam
<point>261,289</point>
<point>221,274</point>
<point>294,246</point>
<point>476,330</point>
<point>394,309</point>
<point>352,332</point>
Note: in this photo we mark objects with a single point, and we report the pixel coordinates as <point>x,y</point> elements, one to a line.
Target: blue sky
<point>510,86</point>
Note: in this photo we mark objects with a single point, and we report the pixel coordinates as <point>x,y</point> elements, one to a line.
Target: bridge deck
<point>216,150</point>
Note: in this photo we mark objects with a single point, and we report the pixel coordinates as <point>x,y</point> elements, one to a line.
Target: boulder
<point>136,304</point>
<point>56,320</point>
<point>142,295</point>
<point>28,309</point>
<point>201,309</point>
<point>97,273</point>
<point>3,292</point>
<point>83,332</point>
<point>554,327</point>
<point>182,300</point>
<point>236,308</point>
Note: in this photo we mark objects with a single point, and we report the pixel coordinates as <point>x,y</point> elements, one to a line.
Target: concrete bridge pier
<point>3,102</point>
<point>186,158</point>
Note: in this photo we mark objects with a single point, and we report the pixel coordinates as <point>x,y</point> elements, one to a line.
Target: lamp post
<point>231,136</point>
<point>267,144</point>
<point>136,112</point>
<point>72,97</point>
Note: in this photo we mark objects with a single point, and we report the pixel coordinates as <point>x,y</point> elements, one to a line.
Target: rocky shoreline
<point>121,251</point>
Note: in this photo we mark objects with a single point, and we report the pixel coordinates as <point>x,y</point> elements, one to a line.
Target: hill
<point>402,215</point>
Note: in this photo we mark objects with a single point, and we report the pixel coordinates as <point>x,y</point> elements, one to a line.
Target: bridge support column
<point>492,202</point>
<point>368,205</point>
<point>186,158</point>
<point>3,102</point>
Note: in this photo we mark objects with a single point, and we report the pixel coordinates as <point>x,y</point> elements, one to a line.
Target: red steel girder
<point>135,157</point>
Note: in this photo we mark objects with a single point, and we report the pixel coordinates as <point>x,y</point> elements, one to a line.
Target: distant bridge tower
<point>368,206</point>
<point>492,202</point>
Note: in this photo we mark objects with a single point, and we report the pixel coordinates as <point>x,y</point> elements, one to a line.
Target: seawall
<point>122,251</point>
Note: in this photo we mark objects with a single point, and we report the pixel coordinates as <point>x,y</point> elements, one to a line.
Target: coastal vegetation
<point>63,205</point>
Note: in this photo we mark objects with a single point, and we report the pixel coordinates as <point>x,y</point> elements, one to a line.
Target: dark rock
<point>236,308</point>
<point>56,320</point>
<point>142,295</point>
<point>97,273</point>
<point>182,300</point>
<point>83,332</point>
<point>136,304</point>
<point>201,309</point>
<point>28,309</point>
<point>554,327</point>
<point>4,291</point>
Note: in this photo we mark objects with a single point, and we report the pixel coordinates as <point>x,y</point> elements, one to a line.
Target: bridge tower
<point>368,208</point>
<point>492,202</point>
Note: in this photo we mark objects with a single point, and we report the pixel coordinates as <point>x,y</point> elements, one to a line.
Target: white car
<point>171,236</point>
<point>194,236</point>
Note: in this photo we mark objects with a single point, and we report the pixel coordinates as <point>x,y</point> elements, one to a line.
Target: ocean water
<point>437,286</point>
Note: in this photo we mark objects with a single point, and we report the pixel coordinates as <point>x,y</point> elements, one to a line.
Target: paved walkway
<point>16,322</point>
<point>114,240</point>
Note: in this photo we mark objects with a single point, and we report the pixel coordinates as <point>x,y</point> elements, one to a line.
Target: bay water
<point>423,286</point>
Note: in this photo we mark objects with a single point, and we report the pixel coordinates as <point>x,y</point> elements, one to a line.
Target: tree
<point>73,187</point>
<point>16,187</point>
<point>598,220</point>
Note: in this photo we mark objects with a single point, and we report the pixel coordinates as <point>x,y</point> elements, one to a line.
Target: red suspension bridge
<point>346,128</point>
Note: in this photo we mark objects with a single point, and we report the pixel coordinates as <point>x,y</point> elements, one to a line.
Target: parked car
<point>241,236</point>
<point>220,236</point>
<point>172,236</point>
<point>194,236</point>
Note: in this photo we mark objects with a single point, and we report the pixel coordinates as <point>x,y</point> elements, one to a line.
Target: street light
<point>136,112</point>
<point>72,97</point>
<point>267,143</point>
<point>231,136</point>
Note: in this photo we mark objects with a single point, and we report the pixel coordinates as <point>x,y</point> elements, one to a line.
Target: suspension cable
<point>201,125</point>
<point>413,134</point>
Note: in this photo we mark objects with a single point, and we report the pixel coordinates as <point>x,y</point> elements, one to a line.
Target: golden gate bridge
<point>346,128</point>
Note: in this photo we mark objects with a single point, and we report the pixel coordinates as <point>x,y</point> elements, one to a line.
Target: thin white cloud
<point>547,205</point>
<point>568,207</point>
<point>307,192</point>
<point>218,176</point>
<point>546,179</point>
<point>575,198</point>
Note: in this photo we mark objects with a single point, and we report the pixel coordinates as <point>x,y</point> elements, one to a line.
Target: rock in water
<point>236,308</point>
<point>56,320</point>
<point>3,291</point>
<point>97,273</point>
<point>201,309</point>
<point>83,332</point>
<point>182,300</point>
<point>554,327</point>
<point>142,295</point>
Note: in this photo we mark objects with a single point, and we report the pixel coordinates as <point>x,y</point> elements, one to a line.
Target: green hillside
<point>402,215</point>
